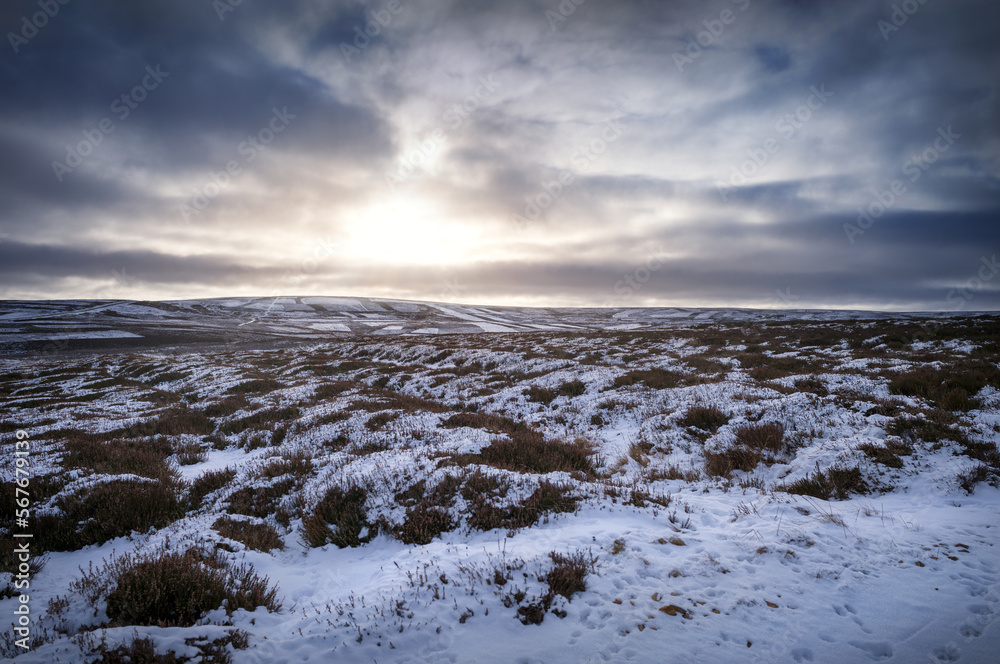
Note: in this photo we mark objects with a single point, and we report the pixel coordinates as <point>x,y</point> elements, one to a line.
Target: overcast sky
<point>584,153</point>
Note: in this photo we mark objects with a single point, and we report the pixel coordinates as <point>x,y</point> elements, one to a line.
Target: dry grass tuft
<point>837,483</point>
<point>528,452</point>
<point>207,483</point>
<point>706,418</point>
<point>657,379</point>
<point>755,443</point>
<point>344,509</point>
<point>256,536</point>
<point>565,578</point>
<point>173,589</point>
<point>146,458</point>
<point>888,454</point>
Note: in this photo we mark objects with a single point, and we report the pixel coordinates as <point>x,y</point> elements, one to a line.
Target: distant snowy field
<point>732,486</point>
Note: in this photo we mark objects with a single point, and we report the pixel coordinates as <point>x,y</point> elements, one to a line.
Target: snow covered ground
<point>51,327</point>
<point>865,528</point>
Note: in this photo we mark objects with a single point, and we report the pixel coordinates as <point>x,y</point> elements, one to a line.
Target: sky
<point>750,153</point>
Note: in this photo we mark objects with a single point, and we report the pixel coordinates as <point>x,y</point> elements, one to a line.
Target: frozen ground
<point>865,529</point>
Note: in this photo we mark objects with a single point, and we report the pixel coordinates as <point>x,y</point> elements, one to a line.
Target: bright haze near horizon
<point>579,153</point>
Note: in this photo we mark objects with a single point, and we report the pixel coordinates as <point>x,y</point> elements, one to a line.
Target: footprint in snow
<point>802,655</point>
<point>876,650</point>
<point>970,631</point>
<point>843,610</point>
<point>980,609</point>
<point>949,652</point>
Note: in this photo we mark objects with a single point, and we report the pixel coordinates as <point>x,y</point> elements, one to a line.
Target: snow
<point>76,334</point>
<point>330,327</point>
<point>907,574</point>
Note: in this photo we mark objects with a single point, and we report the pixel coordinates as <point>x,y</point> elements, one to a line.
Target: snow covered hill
<point>56,326</point>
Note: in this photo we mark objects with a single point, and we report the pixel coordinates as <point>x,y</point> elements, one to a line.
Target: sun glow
<point>406,229</point>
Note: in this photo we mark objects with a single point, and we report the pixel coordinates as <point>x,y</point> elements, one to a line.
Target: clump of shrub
<point>572,388</point>
<point>423,523</point>
<point>256,536</point>
<point>189,452</point>
<point>227,406</point>
<point>812,384</point>
<point>298,464</point>
<point>672,472</point>
<point>980,472</point>
<point>755,443</point>
<point>146,458</point>
<point>725,461</point>
<point>765,367</point>
<point>548,498</point>
<point>258,386</point>
<point>102,512</point>
<point>837,483</point>
<point>565,578</point>
<point>639,498</point>
<point>343,508</point>
<point>950,388</point>
<point>260,501</point>
<point>173,588</point>
<point>706,418</point>
<point>334,389</point>
<point>768,436</point>
<point>262,419</point>
<point>936,427</point>
<point>477,486</point>
<point>173,422</point>
<point>487,421</point>
<point>884,407</point>
<point>207,483</point>
<point>542,395</point>
<point>378,421</point>
<point>985,451</point>
<point>656,378</point>
<point>528,451</point>
<point>887,454</point>
<point>143,651</point>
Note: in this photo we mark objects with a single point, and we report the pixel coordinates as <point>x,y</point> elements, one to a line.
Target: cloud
<point>728,162</point>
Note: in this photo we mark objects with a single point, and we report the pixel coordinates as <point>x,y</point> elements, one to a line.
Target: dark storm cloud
<point>216,89</point>
<point>33,261</point>
<point>743,103</point>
